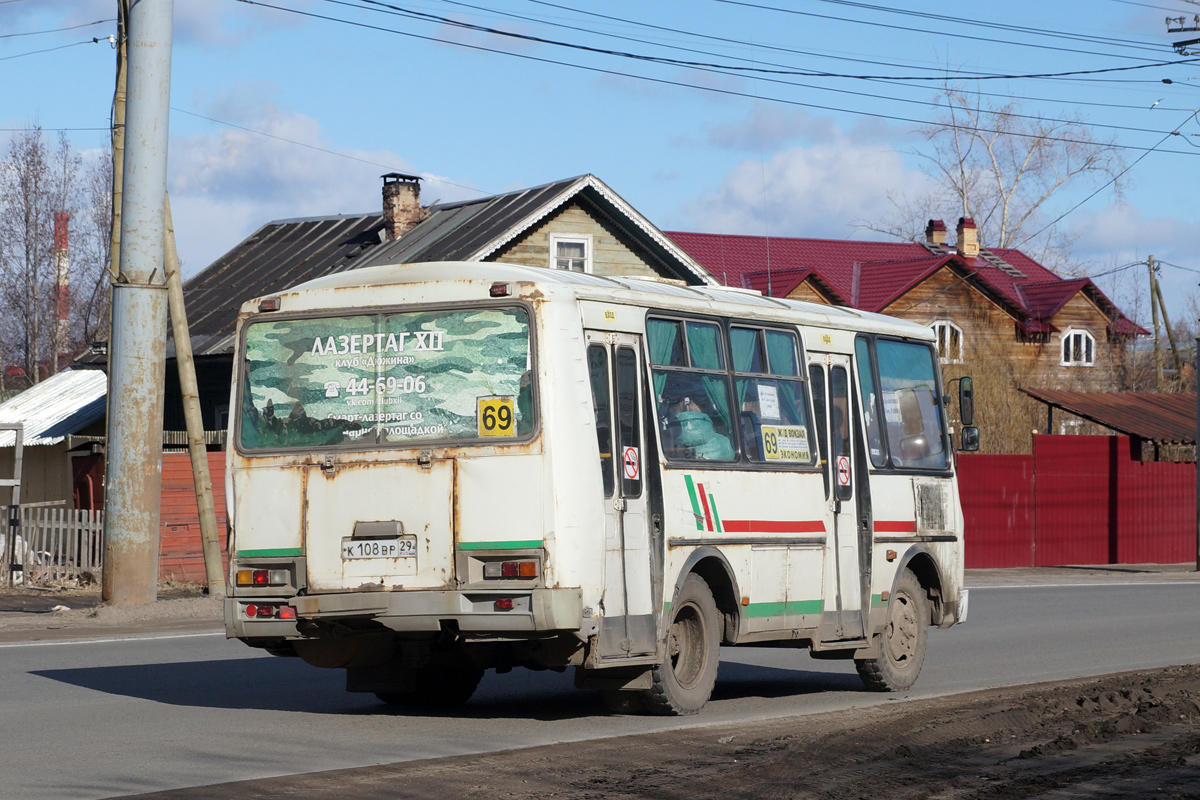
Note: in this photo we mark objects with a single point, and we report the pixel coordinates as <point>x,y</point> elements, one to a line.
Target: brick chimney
<point>935,232</point>
<point>401,204</point>
<point>968,238</point>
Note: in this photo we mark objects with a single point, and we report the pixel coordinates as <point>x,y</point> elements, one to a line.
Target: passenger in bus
<point>688,429</point>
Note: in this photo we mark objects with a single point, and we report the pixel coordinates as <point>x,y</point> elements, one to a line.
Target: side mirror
<point>966,404</point>
<point>970,439</point>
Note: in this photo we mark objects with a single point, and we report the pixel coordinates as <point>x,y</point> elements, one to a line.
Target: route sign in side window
<point>911,406</point>
<point>773,411</point>
<point>460,374</point>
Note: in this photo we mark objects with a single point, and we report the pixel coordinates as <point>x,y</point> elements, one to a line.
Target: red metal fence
<point>1076,500</point>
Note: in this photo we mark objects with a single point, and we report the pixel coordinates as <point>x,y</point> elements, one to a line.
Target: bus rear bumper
<point>491,611</point>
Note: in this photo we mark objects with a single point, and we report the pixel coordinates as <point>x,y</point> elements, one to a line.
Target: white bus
<point>438,469</point>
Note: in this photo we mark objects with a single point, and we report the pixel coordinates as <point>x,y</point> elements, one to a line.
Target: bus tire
<point>902,642</point>
<point>684,681</point>
<point>438,686</point>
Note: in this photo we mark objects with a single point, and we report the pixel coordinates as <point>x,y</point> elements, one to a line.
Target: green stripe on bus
<point>712,502</point>
<point>517,545</point>
<point>691,487</point>
<point>877,600</point>
<point>277,552</point>
<point>793,607</point>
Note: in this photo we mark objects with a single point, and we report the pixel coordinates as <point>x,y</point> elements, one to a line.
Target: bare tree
<point>36,182</point>
<point>1003,168</point>
<point>90,303</point>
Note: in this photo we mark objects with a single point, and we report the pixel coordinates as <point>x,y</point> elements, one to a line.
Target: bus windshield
<point>379,379</point>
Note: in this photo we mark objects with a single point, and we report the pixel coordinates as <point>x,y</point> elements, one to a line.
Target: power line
<point>52,49</point>
<point>420,15</point>
<point>1109,183</point>
<point>682,84</point>
<point>56,30</point>
<point>892,81</point>
<point>988,39</point>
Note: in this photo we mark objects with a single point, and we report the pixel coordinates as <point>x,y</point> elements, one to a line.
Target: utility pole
<point>139,318</point>
<point>1158,365</point>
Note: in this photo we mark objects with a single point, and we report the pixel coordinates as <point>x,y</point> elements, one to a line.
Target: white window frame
<point>1066,348</point>
<point>572,238</point>
<point>937,326</point>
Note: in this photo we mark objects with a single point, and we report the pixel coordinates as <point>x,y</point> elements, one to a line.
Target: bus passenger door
<point>845,619</point>
<point>627,623</point>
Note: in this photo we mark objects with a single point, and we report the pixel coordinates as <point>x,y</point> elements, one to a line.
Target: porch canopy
<point>1149,416</point>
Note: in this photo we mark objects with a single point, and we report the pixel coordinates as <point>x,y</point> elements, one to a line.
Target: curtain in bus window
<point>910,405</point>
<point>666,348</point>
<point>597,356</point>
<point>781,351</point>
<point>866,385</point>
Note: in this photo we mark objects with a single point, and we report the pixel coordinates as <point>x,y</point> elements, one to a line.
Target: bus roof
<point>647,292</point>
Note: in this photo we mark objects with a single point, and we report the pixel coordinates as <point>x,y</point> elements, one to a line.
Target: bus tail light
<point>504,604</point>
<point>263,577</point>
<point>511,569</point>
<point>255,611</point>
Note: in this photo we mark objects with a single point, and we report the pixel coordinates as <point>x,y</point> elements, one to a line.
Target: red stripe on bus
<point>774,526</point>
<point>900,526</point>
<point>704,502</point>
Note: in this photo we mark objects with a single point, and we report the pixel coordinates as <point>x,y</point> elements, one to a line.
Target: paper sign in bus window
<point>785,443</point>
<point>497,416</point>
<point>768,401</point>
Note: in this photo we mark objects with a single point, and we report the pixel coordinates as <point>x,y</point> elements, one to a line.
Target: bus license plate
<point>395,547</point>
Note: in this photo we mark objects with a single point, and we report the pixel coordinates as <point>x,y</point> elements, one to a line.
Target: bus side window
<point>816,384</point>
<point>866,383</point>
<point>597,358</point>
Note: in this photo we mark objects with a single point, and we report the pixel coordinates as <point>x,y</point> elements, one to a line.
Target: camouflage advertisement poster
<point>386,378</point>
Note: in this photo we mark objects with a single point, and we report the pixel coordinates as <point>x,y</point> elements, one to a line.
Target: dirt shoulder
<point>1128,735</point>
<point>31,615</point>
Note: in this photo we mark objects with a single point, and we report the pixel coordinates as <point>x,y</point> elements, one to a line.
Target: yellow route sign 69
<point>497,416</point>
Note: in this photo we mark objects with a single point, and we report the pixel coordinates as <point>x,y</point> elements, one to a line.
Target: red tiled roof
<point>872,275</point>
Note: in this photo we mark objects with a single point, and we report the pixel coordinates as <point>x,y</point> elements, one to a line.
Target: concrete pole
<point>139,302</point>
<point>1196,380</point>
<point>190,393</point>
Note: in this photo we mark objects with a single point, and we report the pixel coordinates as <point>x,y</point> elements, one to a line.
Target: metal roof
<point>1167,418</point>
<point>277,256</point>
<point>62,404</point>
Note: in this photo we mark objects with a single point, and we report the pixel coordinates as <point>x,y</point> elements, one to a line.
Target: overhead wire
<point>669,82</point>
<point>56,30</point>
<point>395,10</point>
<point>869,23</point>
<point>1109,182</point>
<point>890,81</point>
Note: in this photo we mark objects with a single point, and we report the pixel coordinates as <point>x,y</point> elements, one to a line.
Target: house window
<point>949,342</point>
<point>1078,349</point>
<point>571,251</point>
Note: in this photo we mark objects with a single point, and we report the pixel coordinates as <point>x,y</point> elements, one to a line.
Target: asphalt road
<point>98,719</point>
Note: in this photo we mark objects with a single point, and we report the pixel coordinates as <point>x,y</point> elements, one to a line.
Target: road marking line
<point>1084,585</point>
<point>107,640</point>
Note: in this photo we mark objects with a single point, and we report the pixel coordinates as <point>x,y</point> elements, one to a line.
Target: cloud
<point>772,126</point>
<point>819,191</point>
<point>227,182</point>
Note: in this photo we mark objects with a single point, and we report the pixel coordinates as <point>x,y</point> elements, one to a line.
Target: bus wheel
<point>683,682</point>
<point>438,686</point>
<point>902,649</point>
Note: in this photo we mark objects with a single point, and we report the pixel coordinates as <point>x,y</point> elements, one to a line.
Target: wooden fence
<point>54,546</point>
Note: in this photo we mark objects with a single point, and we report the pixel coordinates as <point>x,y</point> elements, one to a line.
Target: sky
<point>772,117</point>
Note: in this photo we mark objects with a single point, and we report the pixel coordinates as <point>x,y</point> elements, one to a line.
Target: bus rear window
<point>381,379</point>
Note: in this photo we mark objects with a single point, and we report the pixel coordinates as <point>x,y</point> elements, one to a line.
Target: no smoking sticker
<point>629,461</point>
<point>843,470</point>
